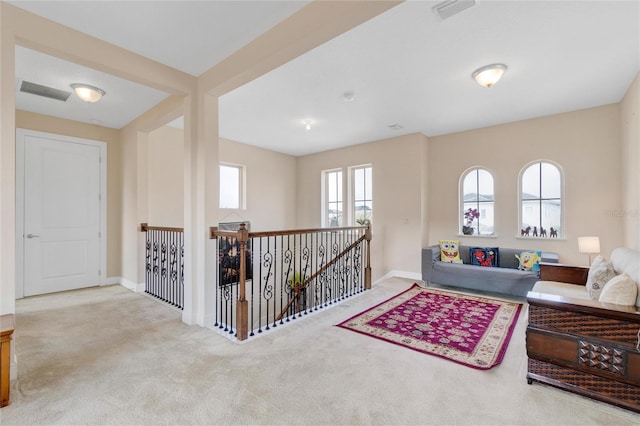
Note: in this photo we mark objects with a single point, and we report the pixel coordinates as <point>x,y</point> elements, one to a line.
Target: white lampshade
<point>590,245</point>
<point>489,75</point>
<point>88,93</point>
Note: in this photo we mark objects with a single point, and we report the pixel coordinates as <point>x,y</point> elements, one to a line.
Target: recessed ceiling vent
<point>46,91</point>
<point>447,9</point>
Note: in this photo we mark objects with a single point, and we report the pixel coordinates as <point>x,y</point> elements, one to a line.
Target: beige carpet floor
<point>109,356</point>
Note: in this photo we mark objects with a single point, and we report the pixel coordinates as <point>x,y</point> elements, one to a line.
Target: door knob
<point>32,236</point>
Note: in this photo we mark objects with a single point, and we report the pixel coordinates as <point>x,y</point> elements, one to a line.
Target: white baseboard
<point>112,281</point>
<point>400,274</point>
<point>135,287</point>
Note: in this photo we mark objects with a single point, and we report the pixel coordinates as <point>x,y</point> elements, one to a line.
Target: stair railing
<point>164,263</point>
<point>268,278</point>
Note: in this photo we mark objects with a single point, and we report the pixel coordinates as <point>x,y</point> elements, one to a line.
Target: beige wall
<point>397,199</point>
<point>586,144</point>
<point>166,177</point>
<point>270,183</point>
<point>59,126</point>
<point>270,186</point>
<point>629,212</point>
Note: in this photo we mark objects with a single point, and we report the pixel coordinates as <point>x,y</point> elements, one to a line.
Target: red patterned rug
<point>470,330</point>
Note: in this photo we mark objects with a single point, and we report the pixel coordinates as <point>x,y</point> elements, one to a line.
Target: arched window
<point>477,202</point>
<point>541,197</point>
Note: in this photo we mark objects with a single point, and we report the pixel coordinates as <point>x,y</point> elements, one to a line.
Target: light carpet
<point>107,356</point>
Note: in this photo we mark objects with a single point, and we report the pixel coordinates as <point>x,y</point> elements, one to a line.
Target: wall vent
<point>46,91</point>
<point>449,8</point>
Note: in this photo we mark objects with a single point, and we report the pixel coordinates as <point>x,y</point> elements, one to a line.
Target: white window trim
<point>461,203</point>
<point>562,201</point>
<point>352,191</point>
<point>324,176</point>
<point>242,197</point>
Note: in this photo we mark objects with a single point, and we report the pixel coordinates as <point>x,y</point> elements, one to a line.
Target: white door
<point>62,216</point>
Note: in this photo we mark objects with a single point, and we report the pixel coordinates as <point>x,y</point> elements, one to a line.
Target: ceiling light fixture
<point>88,93</point>
<point>307,124</point>
<point>489,75</point>
<point>348,96</point>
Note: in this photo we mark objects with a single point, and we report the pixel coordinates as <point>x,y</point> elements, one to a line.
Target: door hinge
<point>99,234</point>
<point>99,272</point>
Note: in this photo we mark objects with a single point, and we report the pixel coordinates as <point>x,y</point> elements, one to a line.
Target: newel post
<point>367,269</point>
<point>242,308</point>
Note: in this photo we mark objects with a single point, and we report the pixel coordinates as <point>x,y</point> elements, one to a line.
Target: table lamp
<point>589,245</point>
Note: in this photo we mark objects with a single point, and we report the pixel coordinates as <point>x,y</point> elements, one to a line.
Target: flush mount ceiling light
<point>348,96</point>
<point>307,124</point>
<point>489,75</point>
<point>448,8</point>
<point>88,93</point>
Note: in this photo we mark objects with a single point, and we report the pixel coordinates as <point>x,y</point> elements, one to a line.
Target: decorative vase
<point>467,230</point>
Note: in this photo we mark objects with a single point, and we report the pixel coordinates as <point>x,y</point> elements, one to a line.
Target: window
<point>541,200</point>
<point>332,213</point>
<point>360,199</point>
<point>362,191</point>
<point>231,186</point>
<point>477,202</point>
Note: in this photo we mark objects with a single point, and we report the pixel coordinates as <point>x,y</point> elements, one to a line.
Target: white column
<point>201,206</point>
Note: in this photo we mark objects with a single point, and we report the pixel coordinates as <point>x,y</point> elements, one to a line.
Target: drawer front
<point>589,355</point>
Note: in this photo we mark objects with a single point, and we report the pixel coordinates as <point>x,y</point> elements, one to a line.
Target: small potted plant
<point>470,215</point>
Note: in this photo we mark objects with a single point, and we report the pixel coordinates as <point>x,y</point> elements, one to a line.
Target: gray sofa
<point>505,279</point>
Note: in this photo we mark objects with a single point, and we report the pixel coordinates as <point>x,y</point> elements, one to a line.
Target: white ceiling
<point>405,66</point>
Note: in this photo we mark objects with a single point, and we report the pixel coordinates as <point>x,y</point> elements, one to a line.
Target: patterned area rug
<point>470,330</point>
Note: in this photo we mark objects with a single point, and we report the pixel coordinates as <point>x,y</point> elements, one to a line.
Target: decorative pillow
<point>484,256</point>
<point>600,272</point>
<point>529,260</point>
<point>449,251</point>
<point>621,290</point>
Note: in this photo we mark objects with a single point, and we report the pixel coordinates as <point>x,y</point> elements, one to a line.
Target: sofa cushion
<point>600,272</point>
<point>450,251</point>
<point>626,260</point>
<point>621,290</point>
<point>484,256</point>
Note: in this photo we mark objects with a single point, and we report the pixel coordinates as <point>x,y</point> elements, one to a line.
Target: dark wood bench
<point>583,346</point>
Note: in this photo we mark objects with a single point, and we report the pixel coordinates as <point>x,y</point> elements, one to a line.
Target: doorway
<point>60,213</point>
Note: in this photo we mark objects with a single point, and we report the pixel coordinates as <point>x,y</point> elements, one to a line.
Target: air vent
<point>449,8</point>
<point>47,92</point>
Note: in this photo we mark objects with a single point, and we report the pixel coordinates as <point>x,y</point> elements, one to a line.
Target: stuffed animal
<point>449,251</point>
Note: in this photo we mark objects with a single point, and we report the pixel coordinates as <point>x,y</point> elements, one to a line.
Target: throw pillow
<point>449,251</point>
<point>529,260</point>
<point>600,272</point>
<point>484,256</point>
<point>621,290</point>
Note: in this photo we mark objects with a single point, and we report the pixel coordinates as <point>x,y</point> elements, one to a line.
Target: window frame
<point>352,193</point>
<point>562,234</point>
<point>242,179</point>
<point>325,197</point>
<point>478,202</point>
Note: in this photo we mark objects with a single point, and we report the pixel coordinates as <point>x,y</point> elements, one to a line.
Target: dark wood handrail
<point>144,227</point>
<point>214,232</point>
<point>306,282</point>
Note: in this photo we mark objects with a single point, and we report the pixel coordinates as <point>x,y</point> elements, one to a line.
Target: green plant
<point>296,278</point>
<point>364,219</point>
